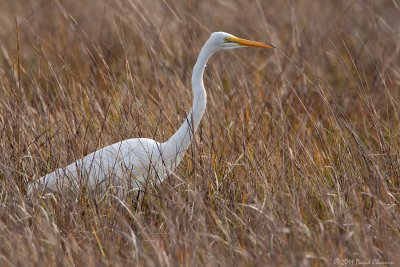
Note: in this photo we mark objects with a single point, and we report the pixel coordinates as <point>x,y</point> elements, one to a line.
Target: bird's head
<point>223,41</point>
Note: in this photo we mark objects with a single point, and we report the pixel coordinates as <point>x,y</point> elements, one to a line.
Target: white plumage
<point>130,163</point>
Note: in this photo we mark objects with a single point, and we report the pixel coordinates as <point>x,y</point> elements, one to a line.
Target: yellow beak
<point>245,42</point>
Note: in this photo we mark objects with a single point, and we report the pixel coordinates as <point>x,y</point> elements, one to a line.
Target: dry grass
<point>296,161</point>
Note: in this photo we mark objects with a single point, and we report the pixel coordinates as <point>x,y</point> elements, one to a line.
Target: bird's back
<point>126,163</point>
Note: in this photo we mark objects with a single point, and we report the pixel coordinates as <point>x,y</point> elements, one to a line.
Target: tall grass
<point>296,162</point>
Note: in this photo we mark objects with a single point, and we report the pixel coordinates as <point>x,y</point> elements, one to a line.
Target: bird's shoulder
<point>134,145</point>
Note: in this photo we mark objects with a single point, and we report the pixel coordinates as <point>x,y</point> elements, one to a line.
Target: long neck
<point>174,149</point>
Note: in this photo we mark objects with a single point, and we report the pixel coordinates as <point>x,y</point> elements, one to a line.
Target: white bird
<point>132,163</point>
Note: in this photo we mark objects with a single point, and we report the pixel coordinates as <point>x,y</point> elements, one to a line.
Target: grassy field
<point>296,162</point>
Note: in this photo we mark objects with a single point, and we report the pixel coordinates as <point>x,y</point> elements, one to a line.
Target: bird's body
<point>131,163</point>
<point>136,159</point>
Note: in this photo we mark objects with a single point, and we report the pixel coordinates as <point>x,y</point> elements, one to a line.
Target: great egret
<point>131,162</point>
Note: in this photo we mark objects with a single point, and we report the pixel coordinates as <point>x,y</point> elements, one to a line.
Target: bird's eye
<point>226,40</point>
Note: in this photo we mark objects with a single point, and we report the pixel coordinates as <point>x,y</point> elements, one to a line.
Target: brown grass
<point>296,162</point>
